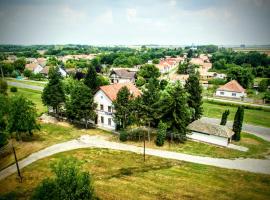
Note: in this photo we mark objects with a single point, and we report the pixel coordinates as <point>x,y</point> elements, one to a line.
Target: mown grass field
<point>123,175</point>
<point>255,117</point>
<point>258,148</point>
<point>48,135</point>
<point>33,95</point>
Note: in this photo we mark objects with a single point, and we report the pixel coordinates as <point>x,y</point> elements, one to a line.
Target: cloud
<point>106,17</point>
<point>131,14</point>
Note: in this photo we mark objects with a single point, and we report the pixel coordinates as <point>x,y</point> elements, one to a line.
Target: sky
<point>135,22</point>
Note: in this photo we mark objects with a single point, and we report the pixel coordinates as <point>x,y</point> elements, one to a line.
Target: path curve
<point>86,141</point>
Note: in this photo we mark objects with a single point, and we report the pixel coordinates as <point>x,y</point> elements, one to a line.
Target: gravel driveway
<point>86,141</point>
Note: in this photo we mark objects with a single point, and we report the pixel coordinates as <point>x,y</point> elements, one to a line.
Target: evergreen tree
<point>122,108</point>
<point>238,122</point>
<point>161,134</point>
<point>21,116</point>
<point>175,112</point>
<point>53,94</point>
<point>224,118</point>
<point>81,104</point>
<point>194,89</point>
<point>3,119</point>
<point>91,79</point>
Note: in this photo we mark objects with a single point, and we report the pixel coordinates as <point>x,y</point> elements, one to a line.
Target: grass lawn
<point>256,117</point>
<point>33,95</point>
<point>28,82</point>
<point>258,148</point>
<point>48,135</point>
<point>123,175</point>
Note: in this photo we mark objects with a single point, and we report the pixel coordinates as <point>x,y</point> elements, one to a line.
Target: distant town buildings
<point>122,76</point>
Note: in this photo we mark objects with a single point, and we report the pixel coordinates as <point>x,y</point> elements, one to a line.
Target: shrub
<point>3,139</point>
<point>263,85</point>
<point>217,81</point>
<point>14,74</point>
<point>27,73</point>
<point>3,86</point>
<point>161,134</point>
<point>36,77</point>
<point>13,89</point>
<point>123,136</point>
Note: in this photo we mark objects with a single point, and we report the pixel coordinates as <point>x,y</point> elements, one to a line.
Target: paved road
<point>86,141</point>
<point>236,102</point>
<point>262,132</point>
<point>23,85</point>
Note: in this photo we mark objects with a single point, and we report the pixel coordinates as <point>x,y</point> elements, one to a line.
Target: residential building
<point>104,98</point>
<point>34,67</point>
<point>167,64</point>
<point>122,76</point>
<point>231,89</point>
<point>210,133</point>
<point>45,71</point>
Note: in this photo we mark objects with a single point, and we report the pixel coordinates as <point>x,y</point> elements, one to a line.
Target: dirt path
<point>251,165</point>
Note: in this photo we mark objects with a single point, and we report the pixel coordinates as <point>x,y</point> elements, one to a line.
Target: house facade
<point>231,89</point>
<point>210,133</point>
<point>34,67</point>
<point>104,98</point>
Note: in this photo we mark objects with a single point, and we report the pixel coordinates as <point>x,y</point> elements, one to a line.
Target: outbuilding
<point>210,133</point>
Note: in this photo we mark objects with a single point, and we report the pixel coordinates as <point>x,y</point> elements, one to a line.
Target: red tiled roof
<point>112,90</point>
<point>232,86</point>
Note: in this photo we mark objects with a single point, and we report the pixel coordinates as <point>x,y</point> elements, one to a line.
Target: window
<point>102,120</point>
<point>109,121</point>
<point>101,107</point>
<point>221,93</point>
<point>109,109</point>
<point>234,94</point>
<point>101,97</point>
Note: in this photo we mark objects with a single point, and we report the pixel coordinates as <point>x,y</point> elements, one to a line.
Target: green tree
<point>183,68</point>
<point>175,112</point>
<point>155,61</point>
<point>3,86</point>
<point>3,118</point>
<point>21,116</point>
<point>81,105</point>
<point>122,108</point>
<point>19,64</point>
<point>69,183</point>
<point>146,73</point>
<point>263,85</point>
<point>91,79</point>
<point>238,122</point>
<point>53,94</point>
<point>194,89</point>
<point>243,76</point>
<point>224,118</point>
<point>96,64</point>
<point>27,73</point>
<point>161,134</point>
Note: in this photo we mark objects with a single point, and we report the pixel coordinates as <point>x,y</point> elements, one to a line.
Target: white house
<point>104,98</point>
<point>122,76</point>
<point>210,133</point>
<point>34,67</point>
<point>231,89</point>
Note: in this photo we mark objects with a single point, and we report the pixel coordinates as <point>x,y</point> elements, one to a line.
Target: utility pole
<point>17,164</point>
<point>144,146</point>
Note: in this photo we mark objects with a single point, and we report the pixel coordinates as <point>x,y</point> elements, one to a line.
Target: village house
<point>167,64</point>
<point>231,89</point>
<point>45,71</point>
<point>122,76</point>
<point>210,133</point>
<point>104,98</point>
<point>34,67</point>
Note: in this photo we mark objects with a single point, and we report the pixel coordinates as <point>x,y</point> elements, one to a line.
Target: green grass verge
<point>258,148</point>
<point>256,117</point>
<point>157,178</point>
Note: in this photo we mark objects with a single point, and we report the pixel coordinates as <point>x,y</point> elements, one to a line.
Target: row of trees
<point>172,105</point>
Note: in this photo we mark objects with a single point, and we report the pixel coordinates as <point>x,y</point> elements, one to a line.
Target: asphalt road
<point>23,85</point>
<point>262,132</point>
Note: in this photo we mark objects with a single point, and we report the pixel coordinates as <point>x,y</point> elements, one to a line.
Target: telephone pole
<point>17,164</point>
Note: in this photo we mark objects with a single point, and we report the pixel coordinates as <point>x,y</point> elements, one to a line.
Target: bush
<point>14,74</point>
<point>13,89</point>
<point>3,139</point>
<point>161,134</point>
<point>123,136</point>
<point>263,85</point>
<point>37,77</point>
<point>217,81</point>
<point>3,86</point>
<point>27,73</point>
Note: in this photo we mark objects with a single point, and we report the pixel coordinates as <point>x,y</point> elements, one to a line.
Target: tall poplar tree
<point>238,122</point>
<point>224,118</point>
<point>91,79</point>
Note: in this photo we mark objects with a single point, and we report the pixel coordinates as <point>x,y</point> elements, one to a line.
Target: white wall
<point>222,93</point>
<point>101,98</point>
<point>212,139</point>
<point>37,69</point>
